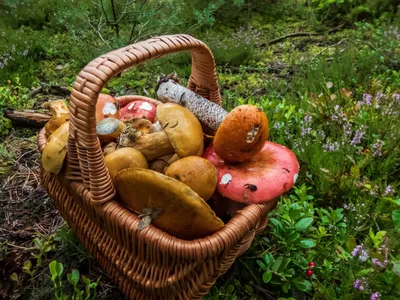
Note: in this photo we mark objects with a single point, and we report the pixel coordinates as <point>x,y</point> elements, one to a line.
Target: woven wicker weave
<point>147,264</point>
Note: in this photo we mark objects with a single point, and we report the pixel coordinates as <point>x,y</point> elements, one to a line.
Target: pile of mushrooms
<point>168,171</point>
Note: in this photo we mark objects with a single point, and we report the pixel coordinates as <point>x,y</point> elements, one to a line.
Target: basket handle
<point>85,157</point>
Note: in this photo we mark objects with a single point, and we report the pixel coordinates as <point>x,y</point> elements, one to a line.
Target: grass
<point>334,100</point>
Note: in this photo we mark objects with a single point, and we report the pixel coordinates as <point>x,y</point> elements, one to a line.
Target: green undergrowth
<point>333,99</point>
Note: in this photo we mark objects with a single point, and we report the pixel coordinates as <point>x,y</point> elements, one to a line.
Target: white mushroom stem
<point>208,113</point>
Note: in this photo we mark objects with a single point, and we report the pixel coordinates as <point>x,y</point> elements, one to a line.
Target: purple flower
<point>375,296</point>
<point>331,147</point>
<point>389,190</point>
<point>345,206</point>
<point>357,250</point>
<point>360,252</point>
<point>307,118</point>
<point>305,131</point>
<point>361,288</point>
<point>396,97</point>
<point>357,283</point>
<point>376,262</point>
<point>357,137</point>
<point>367,98</point>
<point>377,147</point>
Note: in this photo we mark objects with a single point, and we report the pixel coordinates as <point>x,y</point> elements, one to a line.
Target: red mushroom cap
<point>138,109</point>
<point>267,175</point>
<point>107,106</point>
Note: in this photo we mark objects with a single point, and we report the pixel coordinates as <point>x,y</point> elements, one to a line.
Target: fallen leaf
<point>144,222</point>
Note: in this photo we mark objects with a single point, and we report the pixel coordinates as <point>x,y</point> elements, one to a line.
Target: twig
<point>298,34</point>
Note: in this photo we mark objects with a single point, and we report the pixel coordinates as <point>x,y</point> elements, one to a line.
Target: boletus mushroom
<point>124,158</point>
<point>267,175</point>
<point>182,134</point>
<point>54,152</point>
<point>109,129</point>
<point>180,211</point>
<point>239,134</point>
<point>197,173</point>
<point>60,115</point>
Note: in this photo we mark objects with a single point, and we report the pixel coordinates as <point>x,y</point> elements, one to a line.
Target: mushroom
<point>267,175</point>
<point>60,115</point>
<point>197,173</point>
<point>54,152</point>
<point>152,145</point>
<point>239,134</point>
<point>124,158</point>
<point>109,129</point>
<point>106,106</point>
<point>161,163</point>
<point>183,129</point>
<point>110,148</point>
<point>181,134</point>
<point>137,110</point>
<point>168,203</point>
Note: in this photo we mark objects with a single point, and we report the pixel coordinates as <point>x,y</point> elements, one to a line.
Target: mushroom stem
<point>208,113</point>
<point>152,145</point>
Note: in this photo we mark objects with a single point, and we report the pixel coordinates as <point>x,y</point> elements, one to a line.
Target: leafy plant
<point>74,277</point>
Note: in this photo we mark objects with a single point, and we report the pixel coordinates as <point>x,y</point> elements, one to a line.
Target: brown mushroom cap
<point>242,134</point>
<point>197,173</point>
<point>60,115</point>
<point>54,152</point>
<point>183,129</point>
<point>124,158</point>
<point>184,213</point>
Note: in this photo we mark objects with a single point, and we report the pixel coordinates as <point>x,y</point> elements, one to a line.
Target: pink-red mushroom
<point>267,175</point>
<point>138,109</point>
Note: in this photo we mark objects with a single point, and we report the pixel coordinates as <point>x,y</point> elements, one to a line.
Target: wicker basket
<point>147,264</point>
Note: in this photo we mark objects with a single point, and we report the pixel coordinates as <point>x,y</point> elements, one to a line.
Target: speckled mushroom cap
<point>267,175</point>
<point>183,129</point>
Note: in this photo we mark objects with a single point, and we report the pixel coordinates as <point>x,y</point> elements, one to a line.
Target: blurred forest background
<point>326,72</point>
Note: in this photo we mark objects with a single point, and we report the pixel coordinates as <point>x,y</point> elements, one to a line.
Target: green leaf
<point>230,289</point>
<point>341,225</point>
<point>396,267</point>
<point>285,287</point>
<point>59,268</point>
<point>302,284</point>
<point>364,272</point>
<point>27,266</point>
<point>303,224</point>
<point>268,258</point>
<point>337,215</point>
<point>378,238</point>
<point>284,264</point>
<point>396,219</point>
<point>308,243</point>
<point>277,264</point>
<point>75,276</point>
<point>14,277</point>
<point>267,277</point>
<point>86,280</point>
<point>262,265</point>
<point>292,237</point>
<point>53,270</point>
